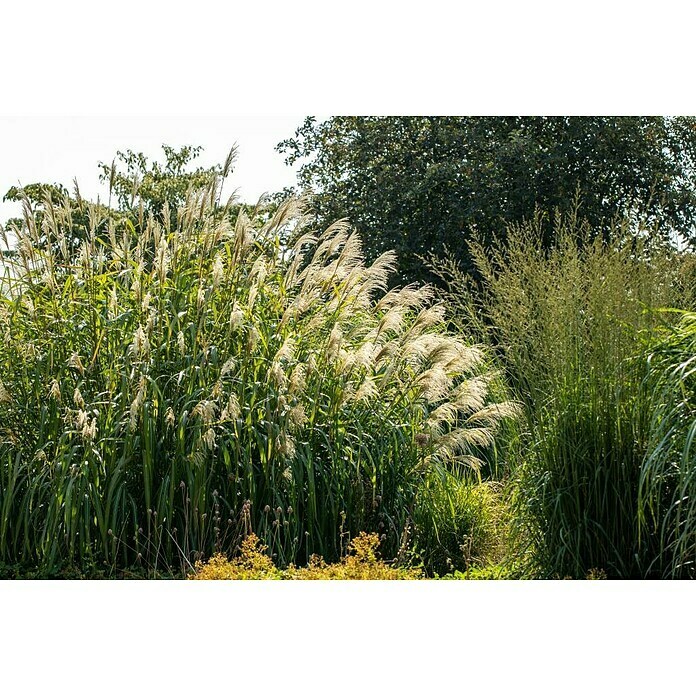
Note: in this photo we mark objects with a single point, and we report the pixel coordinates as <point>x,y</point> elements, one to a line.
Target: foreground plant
<point>169,390</point>
<point>361,562</point>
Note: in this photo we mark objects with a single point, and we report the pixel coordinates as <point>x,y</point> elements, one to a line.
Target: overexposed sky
<point>59,148</point>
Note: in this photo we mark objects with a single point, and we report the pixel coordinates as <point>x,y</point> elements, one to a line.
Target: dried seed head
<point>286,351</point>
<point>252,338</point>
<point>367,390</point>
<point>297,379</point>
<point>140,347</point>
<point>276,374</point>
<point>54,391</point>
<point>209,438</point>
<point>181,344</point>
<point>228,367</point>
<point>4,394</point>
<point>297,417</point>
<point>77,398</point>
<point>236,317</point>
<point>76,362</point>
<point>231,410</point>
<point>205,410</point>
<point>286,445</point>
<point>218,271</point>
<point>162,257</point>
<point>334,344</point>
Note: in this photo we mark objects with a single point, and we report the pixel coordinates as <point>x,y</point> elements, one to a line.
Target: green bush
<point>173,386</point>
<point>459,523</point>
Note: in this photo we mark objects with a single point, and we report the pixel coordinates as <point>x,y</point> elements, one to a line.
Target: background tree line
<point>424,184</point>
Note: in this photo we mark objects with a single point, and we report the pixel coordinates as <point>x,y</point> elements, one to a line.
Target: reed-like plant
<point>568,326</point>
<point>459,523</point>
<point>177,384</point>
<point>667,502</point>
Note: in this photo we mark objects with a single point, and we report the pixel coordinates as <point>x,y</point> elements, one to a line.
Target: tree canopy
<point>138,187</point>
<point>420,185</point>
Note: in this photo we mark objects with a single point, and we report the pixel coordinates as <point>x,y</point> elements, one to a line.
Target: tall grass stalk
<point>668,477</point>
<point>569,326</point>
<point>175,384</point>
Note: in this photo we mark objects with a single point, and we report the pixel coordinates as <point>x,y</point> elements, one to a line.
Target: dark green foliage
<point>156,184</point>
<point>419,185</point>
<point>668,476</point>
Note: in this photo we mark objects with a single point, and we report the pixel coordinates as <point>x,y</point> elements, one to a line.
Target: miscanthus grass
<point>172,386</point>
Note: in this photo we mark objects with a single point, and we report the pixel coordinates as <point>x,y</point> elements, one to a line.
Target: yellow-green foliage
<point>361,563</point>
<point>459,523</point>
<point>252,564</point>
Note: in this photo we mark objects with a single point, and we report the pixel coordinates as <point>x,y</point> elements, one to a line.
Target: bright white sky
<point>59,148</point>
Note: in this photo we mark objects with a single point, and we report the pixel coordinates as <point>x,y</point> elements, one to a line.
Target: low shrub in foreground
<point>175,385</point>
<point>361,563</point>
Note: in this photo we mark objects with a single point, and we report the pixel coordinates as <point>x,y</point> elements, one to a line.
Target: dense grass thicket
<point>667,492</point>
<point>573,328</point>
<point>200,392</point>
<point>175,385</point>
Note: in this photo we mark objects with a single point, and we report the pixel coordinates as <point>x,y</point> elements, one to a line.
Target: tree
<point>420,185</point>
<point>138,187</point>
<point>155,184</point>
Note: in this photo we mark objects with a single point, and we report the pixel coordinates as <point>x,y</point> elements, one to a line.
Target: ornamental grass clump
<point>569,325</point>
<point>460,523</point>
<point>667,494</point>
<point>178,374</point>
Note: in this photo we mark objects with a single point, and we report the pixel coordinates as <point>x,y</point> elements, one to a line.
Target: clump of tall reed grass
<point>667,494</point>
<point>569,325</point>
<point>177,383</point>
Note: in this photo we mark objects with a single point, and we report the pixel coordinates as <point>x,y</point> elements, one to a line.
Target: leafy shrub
<point>169,390</point>
<point>361,563</point>
<point>252,564</point>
